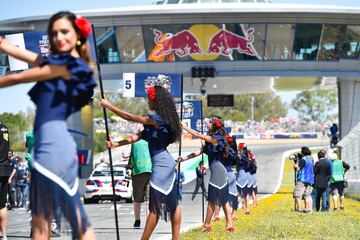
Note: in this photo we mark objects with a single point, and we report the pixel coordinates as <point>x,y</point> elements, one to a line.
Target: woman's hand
<point>104,103</point>
<point>180,159</point>
<point>111,144</point>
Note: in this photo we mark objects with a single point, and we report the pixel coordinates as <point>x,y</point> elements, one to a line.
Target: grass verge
<point>275,218</point>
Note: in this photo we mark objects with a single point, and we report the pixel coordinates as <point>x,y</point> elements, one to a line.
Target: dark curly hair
<point>165,107</point>
<point>219,131</point>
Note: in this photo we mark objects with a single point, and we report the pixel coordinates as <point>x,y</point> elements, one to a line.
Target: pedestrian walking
<point>4,176</point>
<point>140,165</point>
<point>13,166</point>
<point>200,172</point>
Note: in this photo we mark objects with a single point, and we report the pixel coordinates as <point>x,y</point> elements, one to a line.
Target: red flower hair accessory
<point>229,138</point>
<point>151,93</point>
<point>241,145</point>
<point>84,26</point>
<point>217,123</point>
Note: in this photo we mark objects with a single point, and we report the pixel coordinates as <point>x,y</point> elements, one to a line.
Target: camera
<point>296,157</point>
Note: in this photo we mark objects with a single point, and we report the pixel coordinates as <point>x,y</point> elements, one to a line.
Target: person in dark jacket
<point>322,175</point>
<point>4,177</point>
<point>200,172</point>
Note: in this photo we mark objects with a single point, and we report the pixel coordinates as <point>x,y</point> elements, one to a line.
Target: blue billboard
<point>136,84</point>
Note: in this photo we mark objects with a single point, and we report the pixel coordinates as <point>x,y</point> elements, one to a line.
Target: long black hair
<point>82,49</point>
<point>164,105</point>
<point>219,130</point>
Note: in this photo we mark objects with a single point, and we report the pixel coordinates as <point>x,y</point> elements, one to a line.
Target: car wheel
<point>89,201</point>
<point>128,200</point>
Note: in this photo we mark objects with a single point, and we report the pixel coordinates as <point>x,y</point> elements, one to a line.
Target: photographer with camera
<point>304,167</point>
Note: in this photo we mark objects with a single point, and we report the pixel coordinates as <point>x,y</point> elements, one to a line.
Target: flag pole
<point>107,137</point>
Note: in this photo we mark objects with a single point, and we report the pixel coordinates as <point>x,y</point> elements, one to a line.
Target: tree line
<point>315,104</point>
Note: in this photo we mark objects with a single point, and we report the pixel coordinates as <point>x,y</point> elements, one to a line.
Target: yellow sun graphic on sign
<point>203,33</point>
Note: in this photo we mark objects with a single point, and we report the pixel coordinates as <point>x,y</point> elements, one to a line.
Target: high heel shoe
<point>207,228</point>
<point>216,218</point>
<point>230,229</point>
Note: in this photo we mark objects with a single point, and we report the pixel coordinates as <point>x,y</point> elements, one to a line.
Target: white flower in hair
<point>163,81</point>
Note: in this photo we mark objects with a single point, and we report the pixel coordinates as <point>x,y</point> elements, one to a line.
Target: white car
<point>99,186</point>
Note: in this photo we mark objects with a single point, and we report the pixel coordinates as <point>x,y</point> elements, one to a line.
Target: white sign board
<point>17,40</point>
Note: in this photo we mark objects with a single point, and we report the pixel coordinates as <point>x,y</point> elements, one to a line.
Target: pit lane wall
<point>290,135</point>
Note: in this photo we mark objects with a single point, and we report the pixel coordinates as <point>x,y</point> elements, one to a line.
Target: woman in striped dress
<point>216,147</point>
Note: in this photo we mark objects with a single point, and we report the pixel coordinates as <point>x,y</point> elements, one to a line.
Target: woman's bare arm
<point>126,115</point>
<point>36,74</point>
<point>208,139</point>
<point>19,53</point>
<point>190,156</point>
<point>129,140</point>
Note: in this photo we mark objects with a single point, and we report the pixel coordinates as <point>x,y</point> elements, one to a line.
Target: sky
<point>15,99</point>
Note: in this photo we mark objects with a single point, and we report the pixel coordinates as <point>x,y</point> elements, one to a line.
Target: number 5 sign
<point>129,85</point>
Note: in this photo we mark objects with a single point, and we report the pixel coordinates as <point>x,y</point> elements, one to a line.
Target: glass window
<point>330,41</point>
<point>190,1</point>
<point>3,59</point>
<point>130,42</point>
<point>172,1</point>
<point>279,47</point>
<point>351,43</point>
<point>106,45</point>
<point>229,1</point>
<point>158,41</point>
<point>306,43</point>
<point>246,41</point>
<point>209,1</point>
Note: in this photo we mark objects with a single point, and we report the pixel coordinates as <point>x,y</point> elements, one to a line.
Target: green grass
<point>295,83</point>
<point>274,218</point>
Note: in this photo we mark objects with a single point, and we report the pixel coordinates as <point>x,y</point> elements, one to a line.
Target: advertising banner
<point>136,84</point>
<point>37,42</point>
<point>191,113</point>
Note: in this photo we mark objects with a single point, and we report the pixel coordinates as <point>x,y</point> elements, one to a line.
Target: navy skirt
<point>241,183</point>
<point>218,193</point>
<point>163,188</point>
<point>233,193</point>
<point>54,180</point>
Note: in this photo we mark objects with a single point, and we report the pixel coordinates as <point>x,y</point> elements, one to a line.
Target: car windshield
<point>106,173</point>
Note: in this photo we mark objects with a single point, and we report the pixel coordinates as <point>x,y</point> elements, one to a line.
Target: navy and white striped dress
<point>54,178</point>
<point>162,181</point>
<point>231,178</point>
<point>218,192</point>
<point>242,176</point>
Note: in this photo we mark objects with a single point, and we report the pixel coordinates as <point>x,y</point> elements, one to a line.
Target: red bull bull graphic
<point>202,42</point>
<point>182,43</point>
<point>225,42</point>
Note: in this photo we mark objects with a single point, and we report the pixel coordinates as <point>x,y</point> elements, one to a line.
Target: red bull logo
<point>224,42</point>
<point>215,43</point>
<point>182,43</point>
